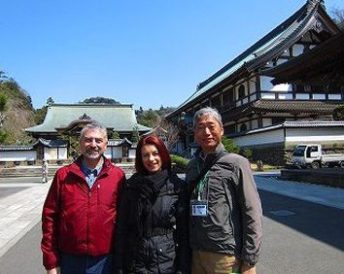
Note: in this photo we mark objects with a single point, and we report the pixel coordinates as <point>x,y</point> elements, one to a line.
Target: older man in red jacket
<point>79,214</point>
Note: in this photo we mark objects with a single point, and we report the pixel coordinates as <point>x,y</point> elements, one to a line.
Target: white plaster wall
<point>297,49</point>
<point>28,155</point>
<point>267,122</point>
<point>302,96</point>
<point>302,135</point>
<point>254,124</point>
<point>319,96</point>
<point>236,90</point>
<point>269,137</point>
<point>334,97</point>
<point>62,153</point>
<point>50,153</point>
<point>132,153</point>
<point>252,83</point>
<point>113,152</point>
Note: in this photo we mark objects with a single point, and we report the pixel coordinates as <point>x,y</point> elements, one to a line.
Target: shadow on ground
<point>323,223</point>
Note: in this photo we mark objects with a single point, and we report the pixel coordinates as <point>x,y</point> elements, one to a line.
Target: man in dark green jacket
<point>226,213</point>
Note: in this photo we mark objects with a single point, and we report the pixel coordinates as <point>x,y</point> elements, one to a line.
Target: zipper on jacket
<point>88,222</point>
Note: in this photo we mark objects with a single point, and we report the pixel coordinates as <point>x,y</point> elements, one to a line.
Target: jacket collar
<point>76,166</point>
<point>210,156</point>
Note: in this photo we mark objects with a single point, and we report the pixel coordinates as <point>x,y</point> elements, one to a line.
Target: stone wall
<point>325,176</point>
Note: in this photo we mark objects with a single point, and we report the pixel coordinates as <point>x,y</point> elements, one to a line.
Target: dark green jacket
<point>234,221</point>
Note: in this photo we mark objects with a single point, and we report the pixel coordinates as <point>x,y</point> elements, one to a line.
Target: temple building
<point>279,92</point>
<point>64,120</point>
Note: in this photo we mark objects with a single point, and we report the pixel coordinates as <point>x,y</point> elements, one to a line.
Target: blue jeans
<point>84,264</point>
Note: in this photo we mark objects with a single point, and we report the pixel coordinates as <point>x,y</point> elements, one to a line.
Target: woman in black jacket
<point>152,229</point>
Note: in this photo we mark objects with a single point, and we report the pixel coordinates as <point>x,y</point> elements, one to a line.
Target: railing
<point>274,95</point>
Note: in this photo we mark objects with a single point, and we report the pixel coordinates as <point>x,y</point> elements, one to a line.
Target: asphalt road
<point>299,237</point>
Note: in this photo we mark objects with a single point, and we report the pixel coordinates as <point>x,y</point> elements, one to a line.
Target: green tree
<point>73,143</point>
<point>229,145</point>
<point>246,152</point>
<point>101,100</point>
<point>50,101</point>
<point>149,118</point>
<point>40,115</point>
<point>3,76</point>
<point>3,136</point>
<point>136,135</point>
<point>16,112</point>
<point>115,135</point>
<point>338,113</point>
<point>3,108</point>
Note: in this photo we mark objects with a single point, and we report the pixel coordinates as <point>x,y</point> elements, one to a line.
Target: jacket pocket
<point>166,255</point>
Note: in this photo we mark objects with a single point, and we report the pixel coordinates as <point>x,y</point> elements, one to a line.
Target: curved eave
<point>308,23</point>
<point>187,104</point>
<point>262,51</point>
<point>327,56</point>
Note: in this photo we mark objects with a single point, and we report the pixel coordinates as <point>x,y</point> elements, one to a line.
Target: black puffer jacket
<point>152,231</point>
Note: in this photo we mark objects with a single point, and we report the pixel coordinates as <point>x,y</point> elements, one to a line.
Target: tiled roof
<point>44,142</point>
<point>282,106</point>
<point>313,123</point>
<point>15,147</point>
<point>270,46</point>
<point>118,142</point>
<point>119,117</point>
<point>51,143</point>
<point>297,106</point>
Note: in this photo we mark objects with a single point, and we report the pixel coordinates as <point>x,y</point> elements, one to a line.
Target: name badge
<point>199,208</point>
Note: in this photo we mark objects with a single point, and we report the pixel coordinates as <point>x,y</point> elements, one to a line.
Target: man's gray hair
<point>94,125</point>
<point>207,111</point>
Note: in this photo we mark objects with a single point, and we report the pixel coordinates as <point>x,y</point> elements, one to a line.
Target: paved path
<point>325,195</point>
<point>20,208</point>
<point>21,202</point>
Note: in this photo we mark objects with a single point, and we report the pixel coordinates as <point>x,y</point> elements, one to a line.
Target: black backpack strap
<point>194,182</point>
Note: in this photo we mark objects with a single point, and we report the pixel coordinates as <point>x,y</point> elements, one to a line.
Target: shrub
<point>179,161</point>
<point>338,113</point>
<point>246,153</point>
<point>229,145</point>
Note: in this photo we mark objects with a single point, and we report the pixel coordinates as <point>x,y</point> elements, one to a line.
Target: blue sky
<point>143,52</point>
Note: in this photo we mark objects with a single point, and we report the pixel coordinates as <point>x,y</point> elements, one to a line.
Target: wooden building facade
<point>251,103</point>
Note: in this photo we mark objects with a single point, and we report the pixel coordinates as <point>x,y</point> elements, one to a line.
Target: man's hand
<point>247,269</point>
<point>55,270</point>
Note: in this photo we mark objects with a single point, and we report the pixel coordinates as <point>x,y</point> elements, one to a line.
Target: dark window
<point>241,92</point>
<point>228,96</point>
<point>277,120</point>
<point>243,127</point>
<point>306,48</point>
<point>317,89</point>
<point>216,102</point>
<point>300,88</point>
<point>314,148</point>
<point>229,129</point>
<point>333,88</point>
<point>308,152</point>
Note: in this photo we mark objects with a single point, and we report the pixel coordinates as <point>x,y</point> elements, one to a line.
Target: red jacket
<point>79,220</point>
